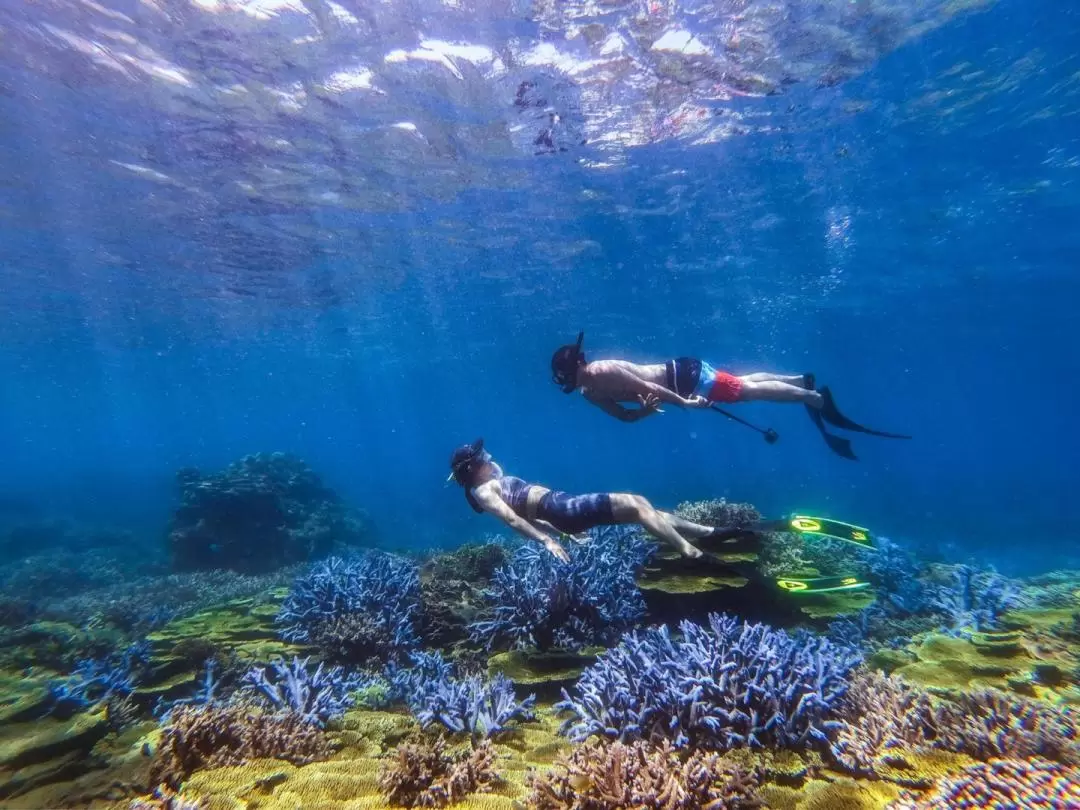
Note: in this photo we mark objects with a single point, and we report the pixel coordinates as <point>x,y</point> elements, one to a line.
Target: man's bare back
<point>610,379</point>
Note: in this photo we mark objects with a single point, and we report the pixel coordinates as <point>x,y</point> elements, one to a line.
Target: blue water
<point>188,276</point>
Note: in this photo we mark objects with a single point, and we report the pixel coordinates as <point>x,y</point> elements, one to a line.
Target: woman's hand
<point>557,550</point>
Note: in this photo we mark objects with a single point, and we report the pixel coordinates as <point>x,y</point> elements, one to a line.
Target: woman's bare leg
<point>687,527</point>
<point>635,509</point>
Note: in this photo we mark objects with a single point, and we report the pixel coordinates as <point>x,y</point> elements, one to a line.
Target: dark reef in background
<point>262,512</point>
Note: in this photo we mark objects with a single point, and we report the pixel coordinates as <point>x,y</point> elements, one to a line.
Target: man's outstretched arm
<point>492,503</point>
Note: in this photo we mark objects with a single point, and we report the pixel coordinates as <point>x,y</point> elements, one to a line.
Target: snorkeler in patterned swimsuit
<point>692,383</point>
<point>542,514</point>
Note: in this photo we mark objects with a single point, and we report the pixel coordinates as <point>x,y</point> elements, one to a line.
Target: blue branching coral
<point>541,602</point>
<point>317,697</point>
<point>471,704</point>
<point>359,609</point>
<point>98,679</point>
<point>976,599</point>
<point>729,685</point>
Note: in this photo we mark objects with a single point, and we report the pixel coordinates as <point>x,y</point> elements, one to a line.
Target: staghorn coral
<point>718,512</point>
<point>975,600</point>
<point>730,685</point>
<point>216,736</point>
<point>1003,784</point>
<point>991,723</point>
<point>316,697</point>
<point>98,679</point>
<point>884,717</point>
<point>377,595</point>
<point>469,705</point>
<point>424,774</point>
<point>539,601</point>
<point>599,776</point>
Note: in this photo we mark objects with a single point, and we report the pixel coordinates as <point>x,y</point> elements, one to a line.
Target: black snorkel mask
<point>465,459</point>
<point>565,363</point>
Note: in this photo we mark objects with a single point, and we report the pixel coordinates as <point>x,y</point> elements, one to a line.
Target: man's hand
<point>557,550</point>
<point>696,402</point>
<point>650,404</point>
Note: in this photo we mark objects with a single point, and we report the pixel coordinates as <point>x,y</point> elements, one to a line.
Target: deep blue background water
<point>944,308</point>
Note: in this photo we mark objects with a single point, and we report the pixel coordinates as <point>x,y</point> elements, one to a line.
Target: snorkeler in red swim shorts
<point>692,383</point>
<point>684,381</point>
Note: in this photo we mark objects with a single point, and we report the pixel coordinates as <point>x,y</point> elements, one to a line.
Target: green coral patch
<point>685,583</point>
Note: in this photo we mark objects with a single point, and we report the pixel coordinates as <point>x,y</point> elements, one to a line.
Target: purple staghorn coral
<point>729,685</point>
<point>885,717</point>
<point>542,602</point>
<point>469,705</point>
<point>315,697</point>
<point>1003,784</point>
<point>379,592</point>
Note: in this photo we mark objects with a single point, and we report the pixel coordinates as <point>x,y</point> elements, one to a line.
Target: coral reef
<point>425,774</point>
<point>542,602</point>
<point>1003,784</point>
<point>315,697</point>
<point>729,685</point>
<point>599,776</point>
<point>214,736</point>
<point>262,512</point>
<point>362,609</point>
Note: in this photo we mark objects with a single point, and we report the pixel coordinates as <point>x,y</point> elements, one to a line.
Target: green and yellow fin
<point>820,584</point>
<point>837,529</point>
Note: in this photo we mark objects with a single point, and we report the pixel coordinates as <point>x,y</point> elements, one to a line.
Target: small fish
<point>580,781</point>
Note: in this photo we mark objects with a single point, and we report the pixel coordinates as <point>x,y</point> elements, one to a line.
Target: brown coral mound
<point>1004,784</point>
<point>996,724</point>
<point>424,774</point>
<point>602,776</point>
<point>886,716</point>
<point>216,736</point>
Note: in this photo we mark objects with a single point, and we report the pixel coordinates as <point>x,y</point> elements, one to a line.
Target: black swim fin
<point>746,532</point>
<point>832,415</point>
<point>838,444</point>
